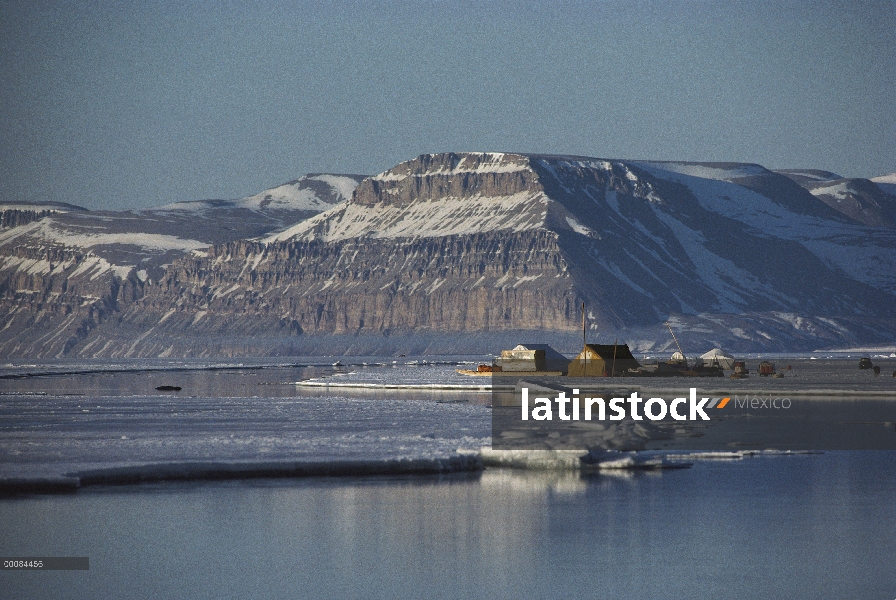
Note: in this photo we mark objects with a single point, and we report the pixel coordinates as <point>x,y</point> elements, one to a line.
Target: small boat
<point>865,363</point>
<point>169,388</point>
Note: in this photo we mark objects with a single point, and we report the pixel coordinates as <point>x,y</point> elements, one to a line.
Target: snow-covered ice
<point>112,424</point>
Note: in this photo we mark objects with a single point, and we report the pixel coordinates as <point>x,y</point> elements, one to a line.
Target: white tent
<point>716,358</point>
<point>533,357</point>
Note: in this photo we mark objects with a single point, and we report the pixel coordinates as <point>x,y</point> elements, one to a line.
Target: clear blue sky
<point>108,105</point>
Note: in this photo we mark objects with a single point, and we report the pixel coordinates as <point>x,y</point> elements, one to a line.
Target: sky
<point>116,105</point>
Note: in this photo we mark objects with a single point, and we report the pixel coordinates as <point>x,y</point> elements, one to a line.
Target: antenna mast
<point>677,344</point>
<point>613,370</point>
<point>584,343</point>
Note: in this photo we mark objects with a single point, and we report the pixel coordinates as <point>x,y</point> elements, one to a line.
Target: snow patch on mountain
<point>863,253</point>
<point>731,200</point>
<point>468,162</point>
<point>886,183</point>
<point>732,286</point>
<point>809,175</point>
<point>889,178</point>
<point>579,228</point>
<point>91,266</point>
<point>344,186</point>
<point>94,266</point>
<point>435,218</point>
<point>566,169</point>
<point>716,171</point>
<point>298,195</point>
<point>839,190</point>
<point>287,196</point>
<point>190,206</point>
<point>49,231</point>
<point>33,266</point>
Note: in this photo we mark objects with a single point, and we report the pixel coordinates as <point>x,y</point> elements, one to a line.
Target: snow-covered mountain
<point>468,251</point>
<point>287,203</point>
<point>64,269</point>
<point>887,183</point>
<point>868,201</point>
<point>459,252</point>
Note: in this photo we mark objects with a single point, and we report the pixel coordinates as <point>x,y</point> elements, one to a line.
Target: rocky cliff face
<point>51,298</point>
<point>376,287</point>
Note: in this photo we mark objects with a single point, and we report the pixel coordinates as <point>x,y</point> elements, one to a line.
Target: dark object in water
<point>169,388</point>
<point>876,371</point>
<point>865,363</point>
<point>766,368</point>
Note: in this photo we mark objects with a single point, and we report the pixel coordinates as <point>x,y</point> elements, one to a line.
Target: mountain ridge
<point>472,245</point>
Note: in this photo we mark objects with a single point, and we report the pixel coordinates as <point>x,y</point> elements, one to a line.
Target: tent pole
<point>613,371</point>
<point>584,342</point>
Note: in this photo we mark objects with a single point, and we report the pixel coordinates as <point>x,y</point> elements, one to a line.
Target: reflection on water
<point>534,483</point>
<point>819,526</point>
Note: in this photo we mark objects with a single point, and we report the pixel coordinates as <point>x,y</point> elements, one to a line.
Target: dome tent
<point>716,358</point>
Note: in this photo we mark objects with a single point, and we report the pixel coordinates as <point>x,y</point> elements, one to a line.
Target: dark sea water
<point>806,526</point>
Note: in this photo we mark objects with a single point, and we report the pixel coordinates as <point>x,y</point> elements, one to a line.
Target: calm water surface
<point>818,526</point>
